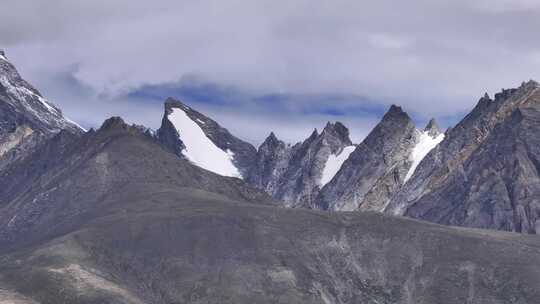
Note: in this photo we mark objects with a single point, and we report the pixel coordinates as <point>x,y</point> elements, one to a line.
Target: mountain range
<point>482,173</point>
<point>190,213</point>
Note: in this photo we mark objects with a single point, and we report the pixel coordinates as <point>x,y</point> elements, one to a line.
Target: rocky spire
<point>271,141</point>
<point>114,122</point>
<point>376,168</point>
<point>394,111</point>
<point>272,137</point>
<point>293,174</point>
<point>432,128</point>
<point>337,130</point>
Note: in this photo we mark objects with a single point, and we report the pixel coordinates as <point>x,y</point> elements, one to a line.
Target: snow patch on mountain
<point>21,93</point>
<point>333,164</point>
<point>422,148</point>
<point>79,126</point>
<point>200,150</point>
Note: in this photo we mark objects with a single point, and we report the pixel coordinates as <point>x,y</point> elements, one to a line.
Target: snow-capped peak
<point>27,101</point>
<point>199,149</point>
<point>21,92</point>
<point>427,140</point>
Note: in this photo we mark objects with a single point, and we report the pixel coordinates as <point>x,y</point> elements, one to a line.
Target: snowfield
<point>200,150</point>
<point>333,164</point>
<point>422,148</point>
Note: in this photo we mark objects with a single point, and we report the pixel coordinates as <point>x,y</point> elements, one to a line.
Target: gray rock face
<point>115,218</point>
<point>498,186</point>
<point>376,169</point>
<point>271,163</point>
<point>244,153</point>
<point>484,174</point>
<point>294,174</point>
<point>167,133</point>
<point>26,117</point>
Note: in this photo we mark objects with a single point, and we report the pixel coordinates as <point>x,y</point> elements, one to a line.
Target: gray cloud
<point>432,57</point>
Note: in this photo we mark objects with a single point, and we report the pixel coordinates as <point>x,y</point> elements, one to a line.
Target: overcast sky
<point>257,66</point>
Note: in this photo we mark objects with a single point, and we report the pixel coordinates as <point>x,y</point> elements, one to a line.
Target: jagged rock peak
<point>174,103</point>
<point>525,87</point>
<point>271,139</point>
<point>432,128</point>
<point>2,53</point>
<point>314,134</point>
<point>271,142</point>
<point>530,83</point>
<point>505,94</point>
<point>395,113</point>
<point>482,104</point>
<point>339,130</point>
<point>395,109</point>
<point>114,123</point>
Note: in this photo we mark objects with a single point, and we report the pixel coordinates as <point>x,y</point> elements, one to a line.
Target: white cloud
<point>505,6</point>
<point>387,41</point>
<point>431,57</point>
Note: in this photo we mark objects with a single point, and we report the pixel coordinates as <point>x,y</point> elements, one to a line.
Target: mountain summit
<point>432,128</point>
<point>26,117</point>
<point>203,141</point>
<point>484,173</point>
<point>294,174</point>
<point>376,168</point>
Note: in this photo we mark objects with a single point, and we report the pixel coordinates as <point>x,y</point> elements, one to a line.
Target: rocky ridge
<point>294,174</point>
<point>484,173</point>
<point>377,168</point>
<point>26,117</point>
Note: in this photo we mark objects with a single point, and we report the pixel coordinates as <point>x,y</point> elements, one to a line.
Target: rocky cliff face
<point>271,162</point>
<point>376,169</point>
<point>26,117</point>
<point>224,153</point>
<point>295,174</point>
<point>484,173</point>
